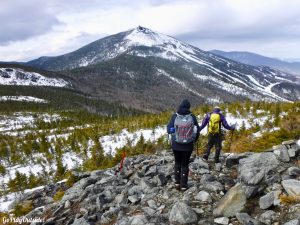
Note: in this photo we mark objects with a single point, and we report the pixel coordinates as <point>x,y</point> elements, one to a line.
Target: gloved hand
<point>233,126</point>
<point>172,130</point>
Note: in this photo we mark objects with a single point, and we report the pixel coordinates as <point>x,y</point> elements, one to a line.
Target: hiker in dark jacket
<point>214,120</point>
<point>182,151</point>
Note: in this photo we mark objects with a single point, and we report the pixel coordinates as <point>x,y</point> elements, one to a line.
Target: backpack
<point>184,129</point>
<point>214,123</point>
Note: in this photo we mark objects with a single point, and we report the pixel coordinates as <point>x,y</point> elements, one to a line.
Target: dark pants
<point>214,140</point>
<point>182,159</point>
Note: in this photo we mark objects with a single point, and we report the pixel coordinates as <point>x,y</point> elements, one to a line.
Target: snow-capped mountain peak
<point>198,72</point>
<point>142,36</point>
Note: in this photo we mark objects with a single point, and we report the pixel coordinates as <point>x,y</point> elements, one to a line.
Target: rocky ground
<point>248,188</point>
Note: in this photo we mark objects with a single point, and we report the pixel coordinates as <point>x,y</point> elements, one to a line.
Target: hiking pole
<point>168,142</point>
<point>198,157</point>
<point>230,140</point>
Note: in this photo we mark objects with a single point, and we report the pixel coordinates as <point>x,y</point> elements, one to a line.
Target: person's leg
<point>177,167</point>
<point>210,144</point>
<point>218,145</point>
<point>185,169</point>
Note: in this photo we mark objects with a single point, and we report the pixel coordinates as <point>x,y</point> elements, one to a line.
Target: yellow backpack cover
<point>214,123</point>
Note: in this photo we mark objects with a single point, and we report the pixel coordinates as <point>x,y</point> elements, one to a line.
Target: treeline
<point>59,99</point>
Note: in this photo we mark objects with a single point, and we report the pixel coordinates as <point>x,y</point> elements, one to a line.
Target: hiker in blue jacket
<point>214,120</point>
<point>184,134</point>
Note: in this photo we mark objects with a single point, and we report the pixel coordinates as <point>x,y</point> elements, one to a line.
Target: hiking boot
<point>177,186</point>
<point>184,187</point>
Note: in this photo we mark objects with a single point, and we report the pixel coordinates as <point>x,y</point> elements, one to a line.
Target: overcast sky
<point>34,28</point>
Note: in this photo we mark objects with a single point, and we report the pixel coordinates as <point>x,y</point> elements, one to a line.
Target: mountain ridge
<point>153,72</point>
<point>260,60</point>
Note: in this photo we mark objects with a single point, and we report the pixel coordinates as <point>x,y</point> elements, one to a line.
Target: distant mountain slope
<point>40,90</point>
<point>155,84</point>
<point>149,70</point>
<point>259,60</point>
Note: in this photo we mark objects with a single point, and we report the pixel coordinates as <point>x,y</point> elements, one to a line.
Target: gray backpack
<point>184,129</point>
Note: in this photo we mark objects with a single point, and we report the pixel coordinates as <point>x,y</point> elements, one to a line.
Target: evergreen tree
<point>60,169</point>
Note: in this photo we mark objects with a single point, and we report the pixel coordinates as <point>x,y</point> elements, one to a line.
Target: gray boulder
<point>268,217</point>
<point>266,201</point>
<point>233,159</point>
<point>207,178</point>
<point>245,219</point>
<point>222,220</point>
<point>138,220</point>
<point>200,163</point>
<point>213,186</point>
<point>283,155</point>
<point>80,221</point>
<point>203,196</point>
<point>292,187</point>
<point>252,170</point>
<point>251,191</point>
<point>145,185</point>
<point>133,199</point>
<point>76,190</point>
<point>294,171</point>
<point>293,222</point>
<point>183,214</point>
<point>233,202</point>
<point>293,147</point>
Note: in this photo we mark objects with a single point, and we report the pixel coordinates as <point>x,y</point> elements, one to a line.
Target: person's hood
<point>184,107</point>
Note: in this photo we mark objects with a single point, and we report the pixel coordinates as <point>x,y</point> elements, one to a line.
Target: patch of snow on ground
<point>111,142</point>
<point>34,168</point>
<point>20,120</point>
<point>22,99</point>
<point>11,76</point>
<point>15,122</point>
<point>257,134</point>
<point>7,200</point>
<point>71,160</point>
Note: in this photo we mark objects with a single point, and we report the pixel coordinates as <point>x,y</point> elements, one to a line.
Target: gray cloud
<point>20,20</point>
<point>269,27</point>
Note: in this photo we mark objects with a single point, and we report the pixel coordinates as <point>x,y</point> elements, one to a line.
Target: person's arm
<point>204,122</point>
<point>171,123</point>
<point>197,125</point>
<point>225,124</point>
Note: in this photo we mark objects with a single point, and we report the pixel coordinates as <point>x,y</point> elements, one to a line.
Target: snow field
<point>13,76</point>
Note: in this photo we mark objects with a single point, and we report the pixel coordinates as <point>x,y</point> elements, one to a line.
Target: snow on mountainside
<point>12,76</point>
<point>206,77</point>
<point>22,99</point>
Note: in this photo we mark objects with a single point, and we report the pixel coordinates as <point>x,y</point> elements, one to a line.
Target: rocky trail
<point>247,188</point>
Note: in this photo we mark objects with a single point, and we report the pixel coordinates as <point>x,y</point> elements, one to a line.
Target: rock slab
<point>183,214</point>
<point>292,187</point>
<point>233,202</point>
